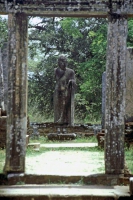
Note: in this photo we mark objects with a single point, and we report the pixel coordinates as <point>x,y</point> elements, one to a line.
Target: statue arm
<point>72,80</point>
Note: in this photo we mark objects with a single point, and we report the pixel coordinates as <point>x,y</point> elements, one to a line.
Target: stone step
<point>63,192</point>
<point>69,145</point>
<point>99,179</point>
<point>36,146</point>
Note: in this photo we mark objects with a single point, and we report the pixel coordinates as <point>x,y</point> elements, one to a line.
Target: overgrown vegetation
<point>83,41</point>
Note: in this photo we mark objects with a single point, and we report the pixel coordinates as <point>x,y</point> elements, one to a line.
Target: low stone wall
<point>45,128</point>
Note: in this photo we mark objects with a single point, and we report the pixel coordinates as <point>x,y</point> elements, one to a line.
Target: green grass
<point>31,152</point>
<point>129,158</point>
<point>44,140</point>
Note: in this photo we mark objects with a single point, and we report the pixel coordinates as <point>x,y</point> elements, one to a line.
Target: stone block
<point>35,146</point>
<point>67,136</point>
<point>100,139</point>
<point>131,186</point>
<point>27,140</point>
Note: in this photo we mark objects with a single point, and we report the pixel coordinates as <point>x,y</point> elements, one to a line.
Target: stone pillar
<point>17,94</point>
<point>115,94</point>
<point>129,86</point>
<point>2,105</point>
<point>103,98</point>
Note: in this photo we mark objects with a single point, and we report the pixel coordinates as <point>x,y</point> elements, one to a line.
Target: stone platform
<point>63,192</point>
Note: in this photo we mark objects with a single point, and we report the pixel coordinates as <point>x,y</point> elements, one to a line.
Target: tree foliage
<point>83,41</point>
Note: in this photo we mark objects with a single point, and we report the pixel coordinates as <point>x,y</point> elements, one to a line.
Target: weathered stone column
<point>129,86</point>
<point>103,98</point>
<point>17,94</point>
<point>2,105</point>
<point>115,94</point>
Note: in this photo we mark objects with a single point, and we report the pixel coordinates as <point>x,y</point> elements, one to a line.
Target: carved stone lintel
<point>84,8</point>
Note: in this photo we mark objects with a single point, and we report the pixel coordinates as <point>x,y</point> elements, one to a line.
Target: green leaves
<point>84,42</point>
<point>71,27</point>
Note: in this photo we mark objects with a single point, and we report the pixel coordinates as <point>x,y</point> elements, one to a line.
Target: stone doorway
<point>117,14</point>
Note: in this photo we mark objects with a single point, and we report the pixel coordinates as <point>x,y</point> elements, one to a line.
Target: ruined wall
<point>129,86</point>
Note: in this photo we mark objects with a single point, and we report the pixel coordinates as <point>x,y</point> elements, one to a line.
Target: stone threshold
<point>76,192</point>
<point>93,179</point>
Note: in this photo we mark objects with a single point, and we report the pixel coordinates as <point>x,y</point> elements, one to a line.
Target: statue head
<point>62,62</point>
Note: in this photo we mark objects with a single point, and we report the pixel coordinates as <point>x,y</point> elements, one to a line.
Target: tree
<point>84,42</point>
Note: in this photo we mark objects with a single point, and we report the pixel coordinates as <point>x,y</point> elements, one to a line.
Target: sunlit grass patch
<point>44,139</point>
<point>129,158</point>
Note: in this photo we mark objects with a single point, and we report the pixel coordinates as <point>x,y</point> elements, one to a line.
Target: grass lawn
<point>97,154</point>
<point>43,140</point>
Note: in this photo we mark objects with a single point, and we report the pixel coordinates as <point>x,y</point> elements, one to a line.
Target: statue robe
<point>64,96</point>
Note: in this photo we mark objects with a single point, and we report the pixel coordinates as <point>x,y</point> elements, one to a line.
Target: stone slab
<point>69,145</point>
<point>76,192</point>
<point>56,136</point>
<point>36,146</point>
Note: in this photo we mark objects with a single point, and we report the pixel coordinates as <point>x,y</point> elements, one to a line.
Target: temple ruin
<point>117,13</point>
